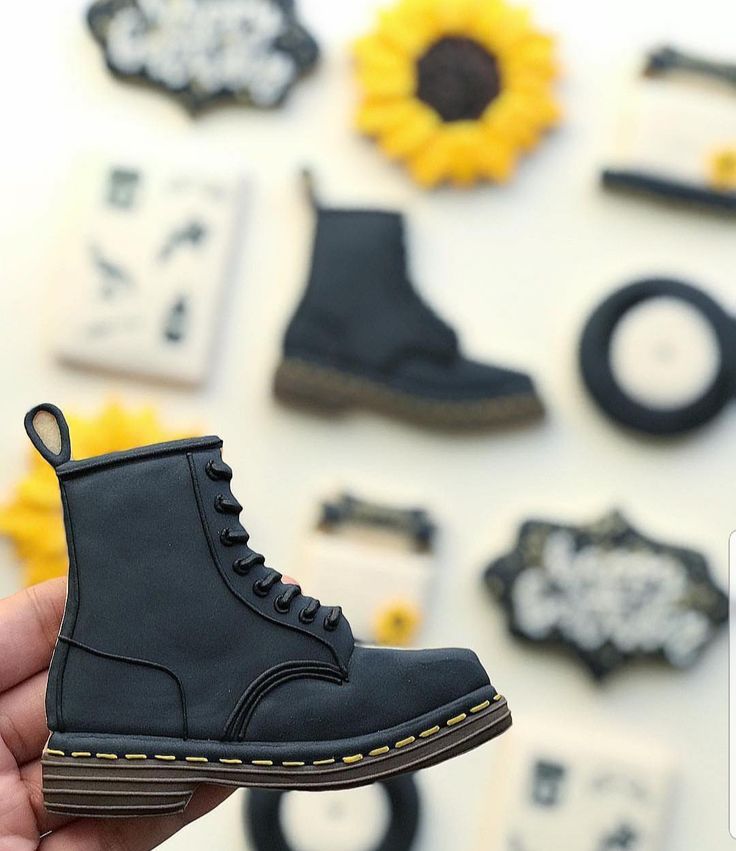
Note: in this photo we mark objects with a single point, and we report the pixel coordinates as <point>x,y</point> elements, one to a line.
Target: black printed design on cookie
<point>206,51</point>
<point>608,593</point>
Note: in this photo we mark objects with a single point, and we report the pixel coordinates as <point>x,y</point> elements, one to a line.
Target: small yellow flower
<point>723,169</point>
<point>33,518</point>
<point>457,89</point>
<point>397,623</point>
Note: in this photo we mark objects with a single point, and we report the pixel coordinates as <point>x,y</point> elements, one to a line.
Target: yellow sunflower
<point>33,518</point>
<point>458,89</point>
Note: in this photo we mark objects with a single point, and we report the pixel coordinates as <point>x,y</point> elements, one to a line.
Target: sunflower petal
<point>410,135</point>
<point>430,166</point>
<point>377,115</point>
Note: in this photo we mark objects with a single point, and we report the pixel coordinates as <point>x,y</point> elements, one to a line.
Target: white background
<point>515,269</point>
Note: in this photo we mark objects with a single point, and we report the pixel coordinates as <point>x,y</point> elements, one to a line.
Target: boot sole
<point>123,784</point>
<point>331,391</point>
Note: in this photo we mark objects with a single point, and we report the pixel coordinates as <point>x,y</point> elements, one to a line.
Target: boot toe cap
<point>462,380</point>
<point>385,688</point>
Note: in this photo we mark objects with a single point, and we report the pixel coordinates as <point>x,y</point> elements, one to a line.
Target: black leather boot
<point>363,338</point>
<point>183,659</point>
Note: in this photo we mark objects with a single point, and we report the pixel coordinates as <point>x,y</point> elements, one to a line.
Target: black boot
<point>362,337</point>
<point>183,659</point>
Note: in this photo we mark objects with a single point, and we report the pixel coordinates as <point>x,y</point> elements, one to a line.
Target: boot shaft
<point>359,305</point>
<point>153,536</point>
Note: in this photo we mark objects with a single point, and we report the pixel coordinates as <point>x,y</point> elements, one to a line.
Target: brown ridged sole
<point>332,391</point>
<point>90,786</point>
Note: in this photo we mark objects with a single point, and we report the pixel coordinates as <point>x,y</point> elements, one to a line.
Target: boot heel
<point>86,787</point>
<point>309,386</point>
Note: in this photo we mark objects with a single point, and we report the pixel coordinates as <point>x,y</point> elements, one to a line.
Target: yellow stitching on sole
<point>457,719</point>
<point>262,762</point>
<point>232,761</point>
<point>324,762</point>
<point>404,742</point>
<point>350,760</point>
<point>480,707</point>
<point>106,755</point>
<point>292,764</point>
<point>196,759</point>
<point>135,756</point>
<point>55,753</point>
<point>379,751</point>
<point>427,733</point>
<point>498,697</point>
<point>166,757</point>
<point>82,753</point>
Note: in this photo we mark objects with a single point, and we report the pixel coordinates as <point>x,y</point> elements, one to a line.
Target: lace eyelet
<point>218,503</point>
<point>210,470</point>
<point>328,625</point>
<point>225,538</point>
<point>281,607</point>
<point>241,566</point>
<point>259,590</point>
<point>306,619</point>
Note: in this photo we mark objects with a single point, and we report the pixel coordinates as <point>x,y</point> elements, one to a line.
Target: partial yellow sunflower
<point>458,89</point>
<point>397,623</point>
<point>722,168</point>
<point>33,518</point>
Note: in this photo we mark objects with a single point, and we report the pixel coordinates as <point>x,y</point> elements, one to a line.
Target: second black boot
<point>362,337</point>
<point>182,659</point>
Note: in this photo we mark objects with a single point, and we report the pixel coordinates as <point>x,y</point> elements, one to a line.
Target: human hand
<point>29,624</point>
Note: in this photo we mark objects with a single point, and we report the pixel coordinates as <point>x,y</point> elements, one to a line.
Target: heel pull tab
<point>49,433</point>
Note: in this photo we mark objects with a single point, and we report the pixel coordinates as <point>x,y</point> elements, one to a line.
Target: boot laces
<point>224,504</point>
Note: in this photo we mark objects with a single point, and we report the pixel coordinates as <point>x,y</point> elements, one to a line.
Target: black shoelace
<point>219,471</point>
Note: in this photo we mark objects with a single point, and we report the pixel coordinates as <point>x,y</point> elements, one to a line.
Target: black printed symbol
<point>122,187</point>
<point>548,783</point>
<point>113,278</point>
<point>194,233</point>
<point>624,837</point>
<point>177,320</point>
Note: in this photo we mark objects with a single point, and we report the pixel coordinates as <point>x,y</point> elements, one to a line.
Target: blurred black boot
<point>362,337</point>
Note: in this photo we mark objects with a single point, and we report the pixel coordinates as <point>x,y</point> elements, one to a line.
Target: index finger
<point>29,624</point>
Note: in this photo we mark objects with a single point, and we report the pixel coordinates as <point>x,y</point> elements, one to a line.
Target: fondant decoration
<point>608,593</point>
<point>580,787</point>
<point>379,560</point>
<point>150,251</point>
<point>32,518</point>
<point>381,817</point>
<point>659,356</point>
<point>723,168</point>
<point>677,133</point>
<point>253,682</point>
<point>458,91</point>
<point>363,338</point>
<point>206,51</point>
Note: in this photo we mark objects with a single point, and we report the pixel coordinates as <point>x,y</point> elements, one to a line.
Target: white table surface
<point>515,269</point>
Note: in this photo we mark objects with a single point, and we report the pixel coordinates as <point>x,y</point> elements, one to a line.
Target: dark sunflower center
<point>458,78</point>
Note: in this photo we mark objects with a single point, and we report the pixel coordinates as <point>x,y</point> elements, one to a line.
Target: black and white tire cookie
<point>380,817</point>
<point>658,356</point>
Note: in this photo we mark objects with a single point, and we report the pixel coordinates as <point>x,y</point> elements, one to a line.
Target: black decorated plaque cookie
<point>206,51</point>
<point>658,356</point>
<point>607,593</point>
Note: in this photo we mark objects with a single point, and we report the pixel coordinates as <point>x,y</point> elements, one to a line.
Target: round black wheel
<point>381,817</point>
<point>658,356</point>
